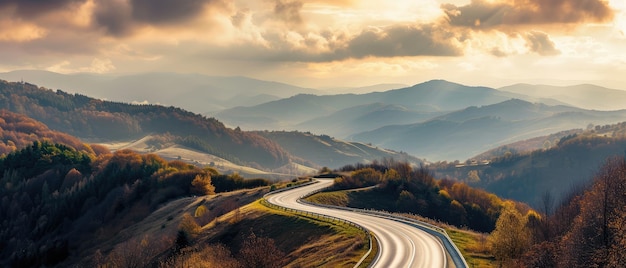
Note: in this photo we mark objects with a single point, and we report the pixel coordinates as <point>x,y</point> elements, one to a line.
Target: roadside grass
<point>370,258</point>
<point>473,246</point>
<point>339,198</point>
<point>306,240</point>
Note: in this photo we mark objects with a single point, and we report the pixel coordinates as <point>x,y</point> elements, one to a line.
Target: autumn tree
<point>511,238</point>
<point>598,234</point>
<point>260,252</point>
<point>201,185</point>
<point>367,176</point>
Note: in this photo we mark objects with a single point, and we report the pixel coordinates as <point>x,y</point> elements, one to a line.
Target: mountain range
<point>465,133</point>
<point>436,120</point>
<point>170,127</point>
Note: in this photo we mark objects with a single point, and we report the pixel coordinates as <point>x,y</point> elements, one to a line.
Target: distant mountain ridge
<point>103,121</point>
<point>462,134</point>
<point>194,92</point>
<point>425,100</point>
<point>584,96</point>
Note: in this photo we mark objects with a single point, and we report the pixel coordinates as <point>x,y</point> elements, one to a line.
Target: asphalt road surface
<point>401,245</point>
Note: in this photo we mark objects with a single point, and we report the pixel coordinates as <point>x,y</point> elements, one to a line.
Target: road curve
<point>401,245</point>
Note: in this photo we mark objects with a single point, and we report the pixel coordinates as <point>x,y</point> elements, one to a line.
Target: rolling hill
<point>465,133</point>
<point>330,152</point>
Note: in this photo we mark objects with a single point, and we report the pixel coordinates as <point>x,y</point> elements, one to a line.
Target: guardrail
<point>319,216</point>
<point>451,248</point>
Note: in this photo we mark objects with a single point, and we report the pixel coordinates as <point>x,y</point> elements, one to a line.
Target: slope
<point>326,151</point>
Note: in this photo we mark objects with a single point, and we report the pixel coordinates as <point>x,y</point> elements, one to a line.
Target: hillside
<point>193,92</point>
<point>326,151</point>
<point>64,207</point>
<point>54,198</point>
<point>527,176</point>
<point>462,134</point>
<point>526,146</point>
<point>585,229</point>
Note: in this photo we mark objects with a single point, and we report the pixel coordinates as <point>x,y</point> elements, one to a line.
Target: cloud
<point>397,41</point>
<point>541,44</point>
<point>121,17</point>
<point>482,14</point>
<point>288,11</point>
<point>167,11</point>
<point>34,8</point>
<point>498,52</point>
<point>115,17</point>
<point>390,42</point>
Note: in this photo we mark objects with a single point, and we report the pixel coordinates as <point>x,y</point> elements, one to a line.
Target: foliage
<point>511,237</point>
<point>227,183</point>
<point>18,131</point>
<point>586,230</point>
<point>53,196</point>
<point>415,190</point>
<point>260,252</point>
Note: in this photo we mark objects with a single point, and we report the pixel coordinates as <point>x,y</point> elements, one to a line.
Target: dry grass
<point>162,224</point>
<point>307,242</point>
<point>474,247</point>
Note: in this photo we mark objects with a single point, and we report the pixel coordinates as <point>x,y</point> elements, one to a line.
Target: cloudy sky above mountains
<point>324,43</point>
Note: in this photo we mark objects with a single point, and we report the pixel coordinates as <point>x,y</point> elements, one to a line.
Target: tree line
<point>586,229</point>
<point>54,197</point>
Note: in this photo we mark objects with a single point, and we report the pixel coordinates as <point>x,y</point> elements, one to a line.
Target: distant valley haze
<point>435,120</point>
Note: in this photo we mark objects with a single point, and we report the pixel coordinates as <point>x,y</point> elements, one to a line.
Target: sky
<point>324,43</point>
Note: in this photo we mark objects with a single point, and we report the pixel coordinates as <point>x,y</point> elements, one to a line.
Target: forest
<point>54,197</point>
<point>95,119</point>
<point>586,229</point>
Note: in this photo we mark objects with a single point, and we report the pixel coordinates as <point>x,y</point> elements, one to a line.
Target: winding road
<point>401,245</point>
